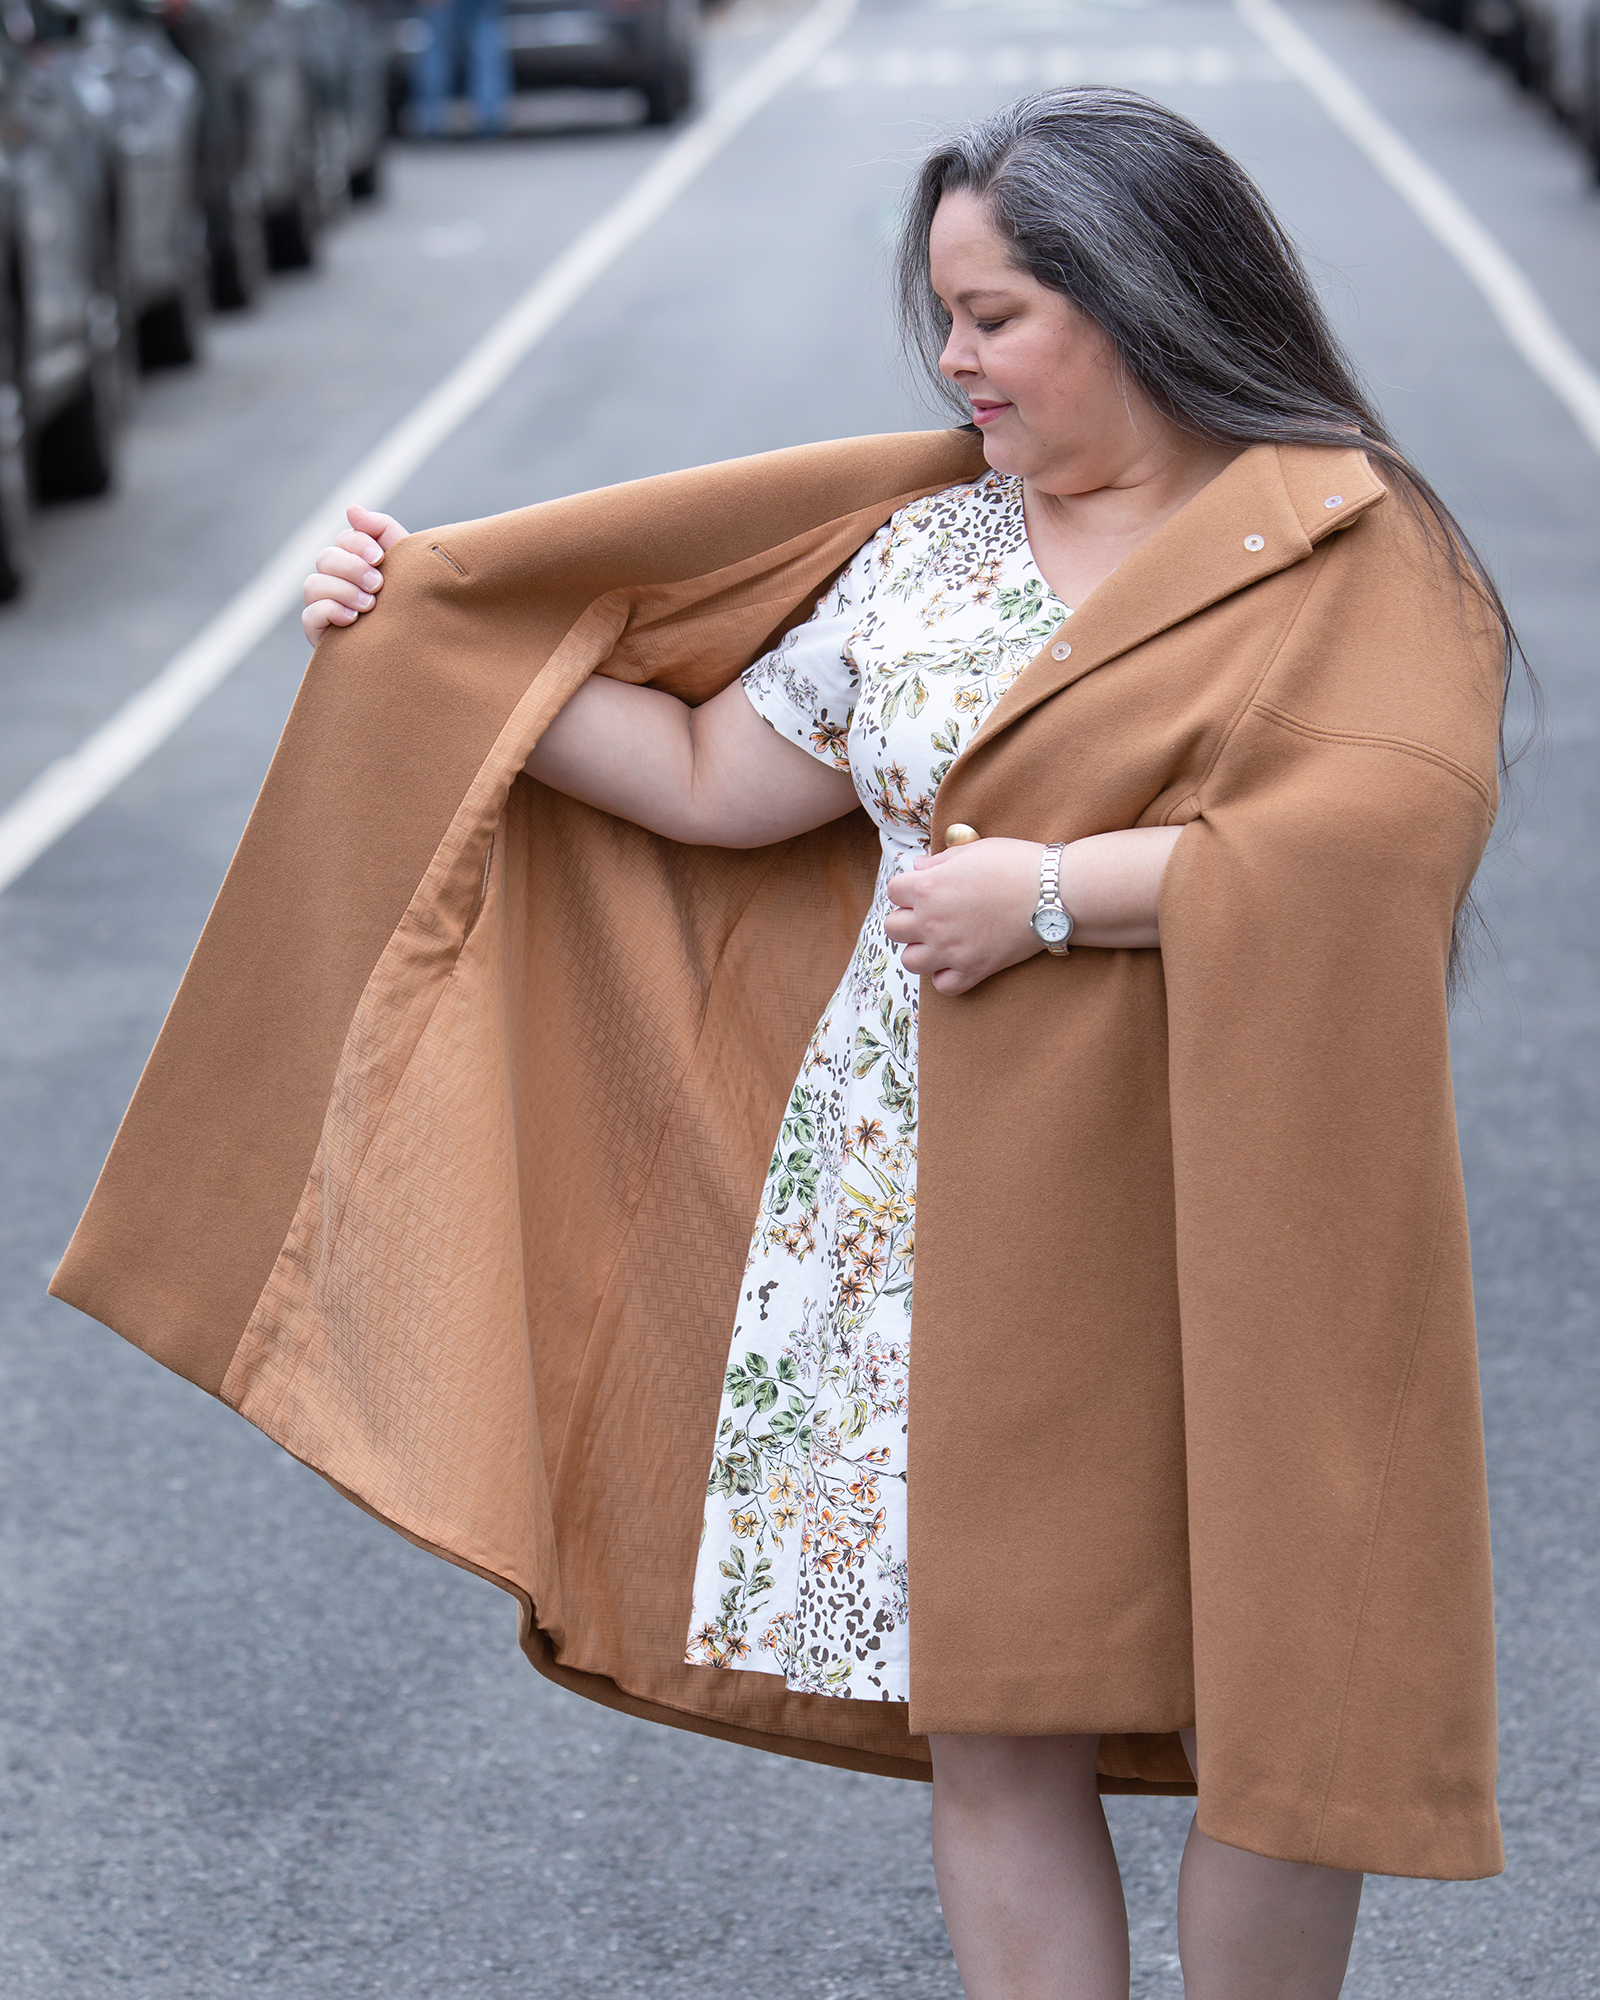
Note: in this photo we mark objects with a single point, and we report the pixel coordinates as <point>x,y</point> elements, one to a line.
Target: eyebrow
<point>982,292</point>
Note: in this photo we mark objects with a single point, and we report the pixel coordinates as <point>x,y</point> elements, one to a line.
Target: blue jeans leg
<point>432,69</point>
<point>491,66</point>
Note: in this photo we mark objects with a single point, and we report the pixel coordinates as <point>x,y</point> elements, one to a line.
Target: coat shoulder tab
<point>1328,488</point>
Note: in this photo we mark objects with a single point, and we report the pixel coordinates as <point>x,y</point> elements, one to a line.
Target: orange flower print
<point>866,1135</point>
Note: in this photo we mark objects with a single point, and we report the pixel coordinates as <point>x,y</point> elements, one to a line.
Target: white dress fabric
<point>802,1565</point>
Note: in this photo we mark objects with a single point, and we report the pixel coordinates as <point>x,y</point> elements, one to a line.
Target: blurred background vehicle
<point>293,95</point>
<point>145,102</point>
<point>651,46</point>
<point>258,148</point>
<point>1566,39</point>
<point>155,155</point>
<point>64,343</point>
<point>1551,47</point>
<point>344,54</point>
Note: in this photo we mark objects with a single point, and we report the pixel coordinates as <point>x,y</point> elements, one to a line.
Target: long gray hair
<point>1144,224</point>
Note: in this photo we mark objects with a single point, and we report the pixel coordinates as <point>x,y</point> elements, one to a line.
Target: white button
<point>1334,500</point>
<point>1254,542</point>
<point>1061,651</point>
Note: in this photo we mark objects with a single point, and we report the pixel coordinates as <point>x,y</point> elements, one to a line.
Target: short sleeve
<point>806,686</point>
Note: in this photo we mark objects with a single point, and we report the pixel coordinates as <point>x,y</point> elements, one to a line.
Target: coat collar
<point>1267,511</point>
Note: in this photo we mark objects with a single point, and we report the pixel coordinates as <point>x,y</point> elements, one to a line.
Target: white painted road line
<point>1512,299</point>
<point>75,784</point>
<point>1150,66</point>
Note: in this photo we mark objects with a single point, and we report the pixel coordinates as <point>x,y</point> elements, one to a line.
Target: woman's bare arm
<point>712,776</point>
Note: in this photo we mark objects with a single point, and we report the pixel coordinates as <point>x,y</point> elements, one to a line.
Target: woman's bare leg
<point>1027,1876</point>
<point>1250,1928</point>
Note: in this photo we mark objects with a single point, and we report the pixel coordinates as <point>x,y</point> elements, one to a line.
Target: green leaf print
<point>796,1169</point>
<point>1020,601</point>
<point>869,1052</point>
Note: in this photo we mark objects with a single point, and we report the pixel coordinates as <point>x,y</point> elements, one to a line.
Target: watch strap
<point>1050,897</point>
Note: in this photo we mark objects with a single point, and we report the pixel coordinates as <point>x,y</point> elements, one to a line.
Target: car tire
<point>16,512</point>
<point>172,332</point>
<point>292,231</point>
<point>239,249</point>
<point>78,447</point>
<point>669,93</point>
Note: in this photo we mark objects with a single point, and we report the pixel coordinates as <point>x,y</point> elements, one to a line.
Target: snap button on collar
<point>1334,500</point>
<point>1060,651</point>
<point>1254,542</point>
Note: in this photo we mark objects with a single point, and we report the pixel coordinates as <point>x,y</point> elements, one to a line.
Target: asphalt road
<point>252,1741</point>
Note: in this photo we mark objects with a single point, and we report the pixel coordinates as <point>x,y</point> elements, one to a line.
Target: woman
<point>1197,1456</point>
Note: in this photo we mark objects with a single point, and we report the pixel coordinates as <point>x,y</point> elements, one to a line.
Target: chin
<point>1003,454</point>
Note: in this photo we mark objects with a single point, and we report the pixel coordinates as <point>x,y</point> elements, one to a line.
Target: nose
<point>955,360</point>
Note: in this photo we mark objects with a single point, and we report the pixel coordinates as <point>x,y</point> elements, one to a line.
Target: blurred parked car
<point>292,118</point>
<point>62,340</point>
<point>1502,26</point>
<point>344,51</point>
<point>1566,36</point>
<point>145,101</point>
<point>1549,46</point>
<point>649,45</point>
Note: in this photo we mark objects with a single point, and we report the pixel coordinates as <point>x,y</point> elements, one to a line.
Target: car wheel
<point>239,248</point>
<point>172,333</point>
<point>292,232</point>
<point>366,181</point>
<point>16,536</point>
<point>670,91</point>
<point>78,447</point>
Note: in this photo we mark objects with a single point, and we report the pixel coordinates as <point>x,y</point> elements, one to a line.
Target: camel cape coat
<point>444,1168</point>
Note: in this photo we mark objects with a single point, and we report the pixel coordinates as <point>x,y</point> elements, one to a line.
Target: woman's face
<point>1046,387</point>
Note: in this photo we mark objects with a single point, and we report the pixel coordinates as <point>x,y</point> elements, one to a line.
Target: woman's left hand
<point>964,914</point>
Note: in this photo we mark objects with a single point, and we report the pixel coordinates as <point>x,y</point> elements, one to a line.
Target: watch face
<point>1052,926</point>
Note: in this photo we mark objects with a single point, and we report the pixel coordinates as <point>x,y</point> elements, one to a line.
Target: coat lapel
<point>1279,496</point>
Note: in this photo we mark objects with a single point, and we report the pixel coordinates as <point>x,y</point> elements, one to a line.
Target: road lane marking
<point>1510,296</point>
<point>75,784</point>
<point>1150,65</point>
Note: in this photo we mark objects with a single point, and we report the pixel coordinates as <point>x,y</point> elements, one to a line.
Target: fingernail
<point>367,600</point>
<point>372,579</point>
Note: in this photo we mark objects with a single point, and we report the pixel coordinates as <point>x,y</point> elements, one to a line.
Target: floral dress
<point>802,1565</point>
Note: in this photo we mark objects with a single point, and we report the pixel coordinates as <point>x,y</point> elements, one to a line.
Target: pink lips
<point>985,413</point>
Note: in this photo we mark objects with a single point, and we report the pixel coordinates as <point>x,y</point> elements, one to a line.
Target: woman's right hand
<point>348,575</point>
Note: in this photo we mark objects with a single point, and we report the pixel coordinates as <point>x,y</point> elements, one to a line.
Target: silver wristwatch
<point>1052,920</point>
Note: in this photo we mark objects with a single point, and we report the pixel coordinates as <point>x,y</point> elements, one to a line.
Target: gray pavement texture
<point>252,1741</point>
